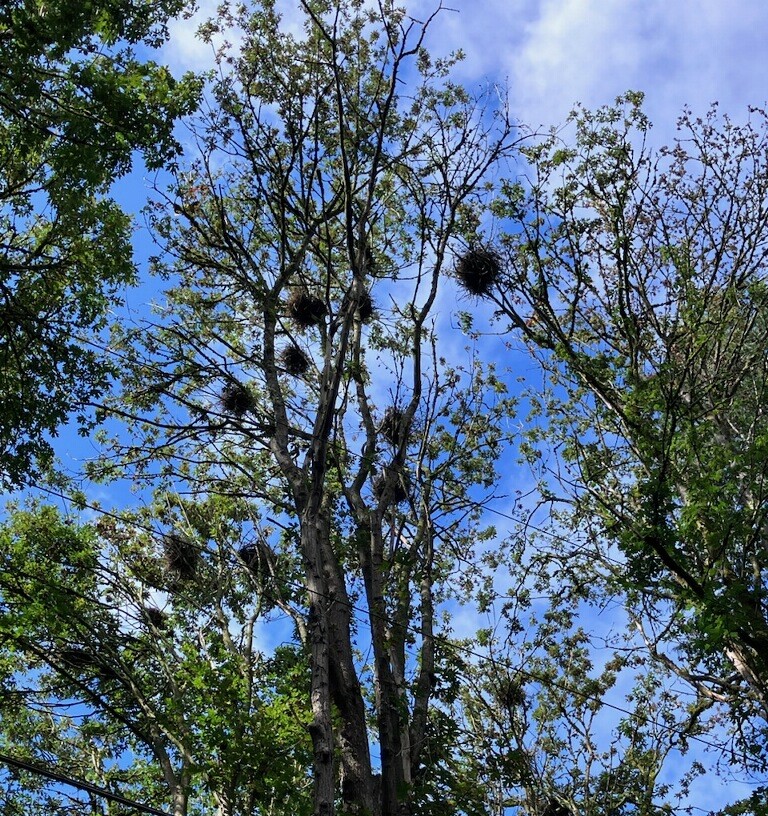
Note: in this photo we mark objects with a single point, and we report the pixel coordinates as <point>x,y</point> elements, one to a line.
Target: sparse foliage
<point>325,181</point>
<point>638,280</point>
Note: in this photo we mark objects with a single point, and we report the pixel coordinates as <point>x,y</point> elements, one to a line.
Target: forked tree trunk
<point>334,680</point>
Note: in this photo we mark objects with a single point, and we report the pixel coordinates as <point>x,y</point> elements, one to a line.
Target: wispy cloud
<point>554,53</point>
<point>557,52</point>
<point>185,51</point>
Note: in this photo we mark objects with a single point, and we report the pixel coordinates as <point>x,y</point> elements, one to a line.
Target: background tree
<point>122,671</point>
<point>637,279</point>
<point>75,104</point>
<point>566,713</point>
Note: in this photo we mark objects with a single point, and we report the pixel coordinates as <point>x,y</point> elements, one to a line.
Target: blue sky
<point>557,52</point>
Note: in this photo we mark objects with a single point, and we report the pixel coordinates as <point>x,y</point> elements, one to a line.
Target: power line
<point>57,776</point>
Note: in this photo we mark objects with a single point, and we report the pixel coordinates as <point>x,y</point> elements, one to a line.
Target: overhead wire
<point>81,784</point>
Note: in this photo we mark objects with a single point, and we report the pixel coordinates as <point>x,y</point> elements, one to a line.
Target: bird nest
<point>365,306</point>
<point>393,482</point>
<point>393,425</point>
<point>294,361</point>
<point>181,555</point>
<point>511,693</point>
<point>305,310</point>
<point>76,658</point>
<point>237,399</point>
<point>155,617</point>
<point>478,270</point>
<point>250,556</point>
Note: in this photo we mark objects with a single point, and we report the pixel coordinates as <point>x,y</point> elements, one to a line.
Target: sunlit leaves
<point>76,105</point>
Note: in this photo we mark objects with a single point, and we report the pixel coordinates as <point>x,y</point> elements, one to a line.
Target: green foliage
<point>336,498</point>
<point>640,288</point>
<point>94,682</point>
<point>337,163</point>
<point>75,106</point>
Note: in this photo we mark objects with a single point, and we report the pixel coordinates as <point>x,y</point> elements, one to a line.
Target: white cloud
<point>557,52</point>
<point>185,51</point>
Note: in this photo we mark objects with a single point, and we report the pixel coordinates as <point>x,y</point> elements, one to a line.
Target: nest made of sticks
<point>393,425</point>
<point>181,555</point>
<point>478,270</point>
<point>555,808</point>
<point>155,617</point>
<point>305,310</point>
<point>396,479</point>
<point>294,361</point>
<point>237,399</point>
<point>511,693</point>
<point>259,557</point>
<point>365,305</point>
<point>250,556</point>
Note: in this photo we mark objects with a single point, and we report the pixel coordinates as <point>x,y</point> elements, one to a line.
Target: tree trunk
<point>334,679</point>
<point>389,705</point>
<point>321,728</point>
<point>180,800</point>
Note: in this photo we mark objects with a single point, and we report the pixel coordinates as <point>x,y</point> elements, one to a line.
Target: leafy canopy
<point>76,103</point>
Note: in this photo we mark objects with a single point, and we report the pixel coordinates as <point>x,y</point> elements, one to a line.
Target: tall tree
<point>638,280</point>
<point>294,362</point>
<point>75,104</point>
<point>316,459</point>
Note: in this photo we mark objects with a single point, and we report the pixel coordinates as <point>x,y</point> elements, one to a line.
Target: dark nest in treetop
<point>554,808</point>
<point>305,310</point>
<point>155,616</point>
<point>237,399</point>
<point>180,555</point>
<point>400,484</point>
<point>511,693</point>
<point>392,426</point>
<point>365,306</point>
<point>250,556</point>
<point>259,558</point>
<point>478,270</point>
<point>294,361</point>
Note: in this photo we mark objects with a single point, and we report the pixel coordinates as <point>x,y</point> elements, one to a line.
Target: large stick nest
<point>237,399</point>
<point>155,617</point>
<point>76,658</point>
<point>251,557</point>
<point>294,361</point>
<point>365,306</point>
<point>393,478</point>
<point>305,310</point>
<point>181,555</point>
<point>478,270</point>
<point>393,425</point>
